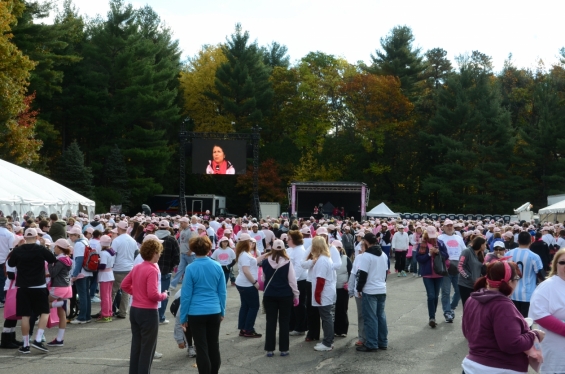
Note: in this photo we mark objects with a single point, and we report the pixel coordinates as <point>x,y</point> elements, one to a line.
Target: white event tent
<point>24,192</point>
<point>382,210</point>
<point>555,212</point>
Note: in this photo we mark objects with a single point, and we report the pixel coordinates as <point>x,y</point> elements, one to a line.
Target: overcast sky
<point>530,30</point>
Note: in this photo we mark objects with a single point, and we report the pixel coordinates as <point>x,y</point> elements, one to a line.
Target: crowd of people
<point>307,270</point>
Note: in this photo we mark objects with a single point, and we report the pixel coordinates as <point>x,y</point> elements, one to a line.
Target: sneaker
<point>322,348</point>
<point>284,354</point>
<point>241,333</point>
<point>103,319</point>
<point>164,322</point>
<point>96,316</point>
<point>191,351</point>
<point>157,355</point>
<point>252,334</point>
<point>43,340</point>
<point>296,333</point>
<point>270,354</point>
<point>398,274</point>
<point>448,317</point>
<point>365,349</point>
<point>340,335</point>
<point>1,305</point>
<point>77,322</point>
<point>414,275</point>
<point>39,345</point>
<point>24,350</point>
<point>403,273</point>
<point>119,316</point>
<point>432,323</point>
<point>55,343</point>
<point>310,339</point>
<point>359,343</point>
<point>95,299</point>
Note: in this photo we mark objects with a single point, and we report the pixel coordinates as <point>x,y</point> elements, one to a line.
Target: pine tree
<point>399,58</point>
<point>275,54</point>
<point>243,82</point>
<point>470,145</point>
<point>72,173</point>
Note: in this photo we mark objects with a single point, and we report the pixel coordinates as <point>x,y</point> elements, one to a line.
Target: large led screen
<point>219,157</point>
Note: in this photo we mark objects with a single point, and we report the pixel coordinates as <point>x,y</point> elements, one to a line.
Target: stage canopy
<point>382,210</point>
<point>24,192</point>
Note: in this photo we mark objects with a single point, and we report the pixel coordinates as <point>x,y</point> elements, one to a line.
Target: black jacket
<point>29,260</point>
<point>170,256</point>
<point>541,248</point>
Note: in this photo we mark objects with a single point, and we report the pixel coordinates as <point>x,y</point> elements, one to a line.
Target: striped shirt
<point>529,264</point>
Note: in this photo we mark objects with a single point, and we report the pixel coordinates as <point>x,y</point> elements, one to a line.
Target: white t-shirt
<point>296,256</point>
<point>324,269</point>
<point>353,276</point>
<point>548,239</point>
<point>454,244</point>
<point>307,243</point>
<point>472,367</point>
<point>95,244</point>
<point>258,236</point>
<point>215,225</point>
<point>108,260</point>
<point>6,243</point>
<point>549,299</point>
<point>245,259</point>
<point>560,242</point>
<point>376,268</point>
<point>78,251</point>
<point>125,247</point>
<point>224,256</point>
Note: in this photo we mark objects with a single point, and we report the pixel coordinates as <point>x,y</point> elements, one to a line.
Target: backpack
<point>91,259</point>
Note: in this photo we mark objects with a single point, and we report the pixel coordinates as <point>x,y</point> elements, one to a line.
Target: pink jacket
<point>142,283</point>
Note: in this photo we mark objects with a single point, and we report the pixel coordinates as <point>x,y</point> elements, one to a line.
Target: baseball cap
<point>123,225</point>
<point>447,222</point>
<point>63,243</point>
<point>432,232</point>
<point>31,232</point>
<point>152,237</point>
<point>244,237</point>
<point>105,241</point>
<point>498,243</point>
<point>164,224</point>
<point>305,230</point>
<point>322,231</point>
<point>278,245</point>
<point>337,244</point>
<point>184,219</point>
<point>72,231</point>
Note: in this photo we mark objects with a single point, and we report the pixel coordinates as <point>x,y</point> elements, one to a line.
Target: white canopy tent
<point>555,212</point>
<point>24,192</point>
<point>382,210</point>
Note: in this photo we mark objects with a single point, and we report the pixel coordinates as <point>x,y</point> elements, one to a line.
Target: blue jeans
<point>249,308</point>
<point>165,283</point>
<point>375,328</point>
<point>433,285</point>
<point>2,282</point>
<point>83,291</point>
<point>386,249</point>
<point>448,281</point>
<point>185,260</point>
<point>94,284</point>
<point>414,265</point>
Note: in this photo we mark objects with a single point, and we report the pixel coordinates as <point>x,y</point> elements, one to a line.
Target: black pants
<point>399,260</point>
<point>464,292</point>
<point>206,334</point>
<point>298,318</point>
<point>523,307</point>
<point>341,321</point>
<point>313,315</point>
<point>277,308</point>
<point>144,331</point>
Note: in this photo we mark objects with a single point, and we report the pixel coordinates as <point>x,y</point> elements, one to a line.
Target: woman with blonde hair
<point>547,309</point>
<point>248,287</point>
<point>323,290</point>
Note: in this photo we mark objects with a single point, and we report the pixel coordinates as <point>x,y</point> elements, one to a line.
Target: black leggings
<point>400,260</point>
<point>464,292</point>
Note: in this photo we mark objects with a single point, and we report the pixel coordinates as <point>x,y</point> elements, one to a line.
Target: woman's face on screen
<point>218,154</point>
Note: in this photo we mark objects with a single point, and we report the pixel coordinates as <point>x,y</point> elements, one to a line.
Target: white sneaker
<point>322,348</point>
<point>95,299</point>
<point>77,322</point>
<point>157,355</point>
<point>296,333</point>
<point>191,351</point>
<point>165,322</point>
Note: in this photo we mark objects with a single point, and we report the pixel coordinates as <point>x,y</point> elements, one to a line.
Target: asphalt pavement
<point>413,347</point>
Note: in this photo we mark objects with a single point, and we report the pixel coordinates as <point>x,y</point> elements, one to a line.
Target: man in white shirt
<point>371,286</point>
<point>125,247</point>
<point>399,245</point>
<point>215,224</point>
<point>455,246</point>
<point>6,244</point>
<point>547,237</point>
<point>259,236</point>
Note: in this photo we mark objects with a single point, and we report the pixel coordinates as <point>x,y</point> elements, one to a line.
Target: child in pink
<point>106,278</point>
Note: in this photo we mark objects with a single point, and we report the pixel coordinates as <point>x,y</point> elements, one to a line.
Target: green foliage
<point>242,82</point>
<point>72,173</point>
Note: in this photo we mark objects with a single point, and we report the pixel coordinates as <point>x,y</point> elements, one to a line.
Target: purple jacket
<point>496,332</point>
<point>425,260</point>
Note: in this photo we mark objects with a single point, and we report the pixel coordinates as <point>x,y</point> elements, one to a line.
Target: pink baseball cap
<point>322,231</point>
<point>63,243</point>
<point>244,237</point>
<point>447,222</point>
<point>432,232</point>
<point>72,231</point>
<point>105,241</point>
<point>152,237</point>
<point>122,225</point>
